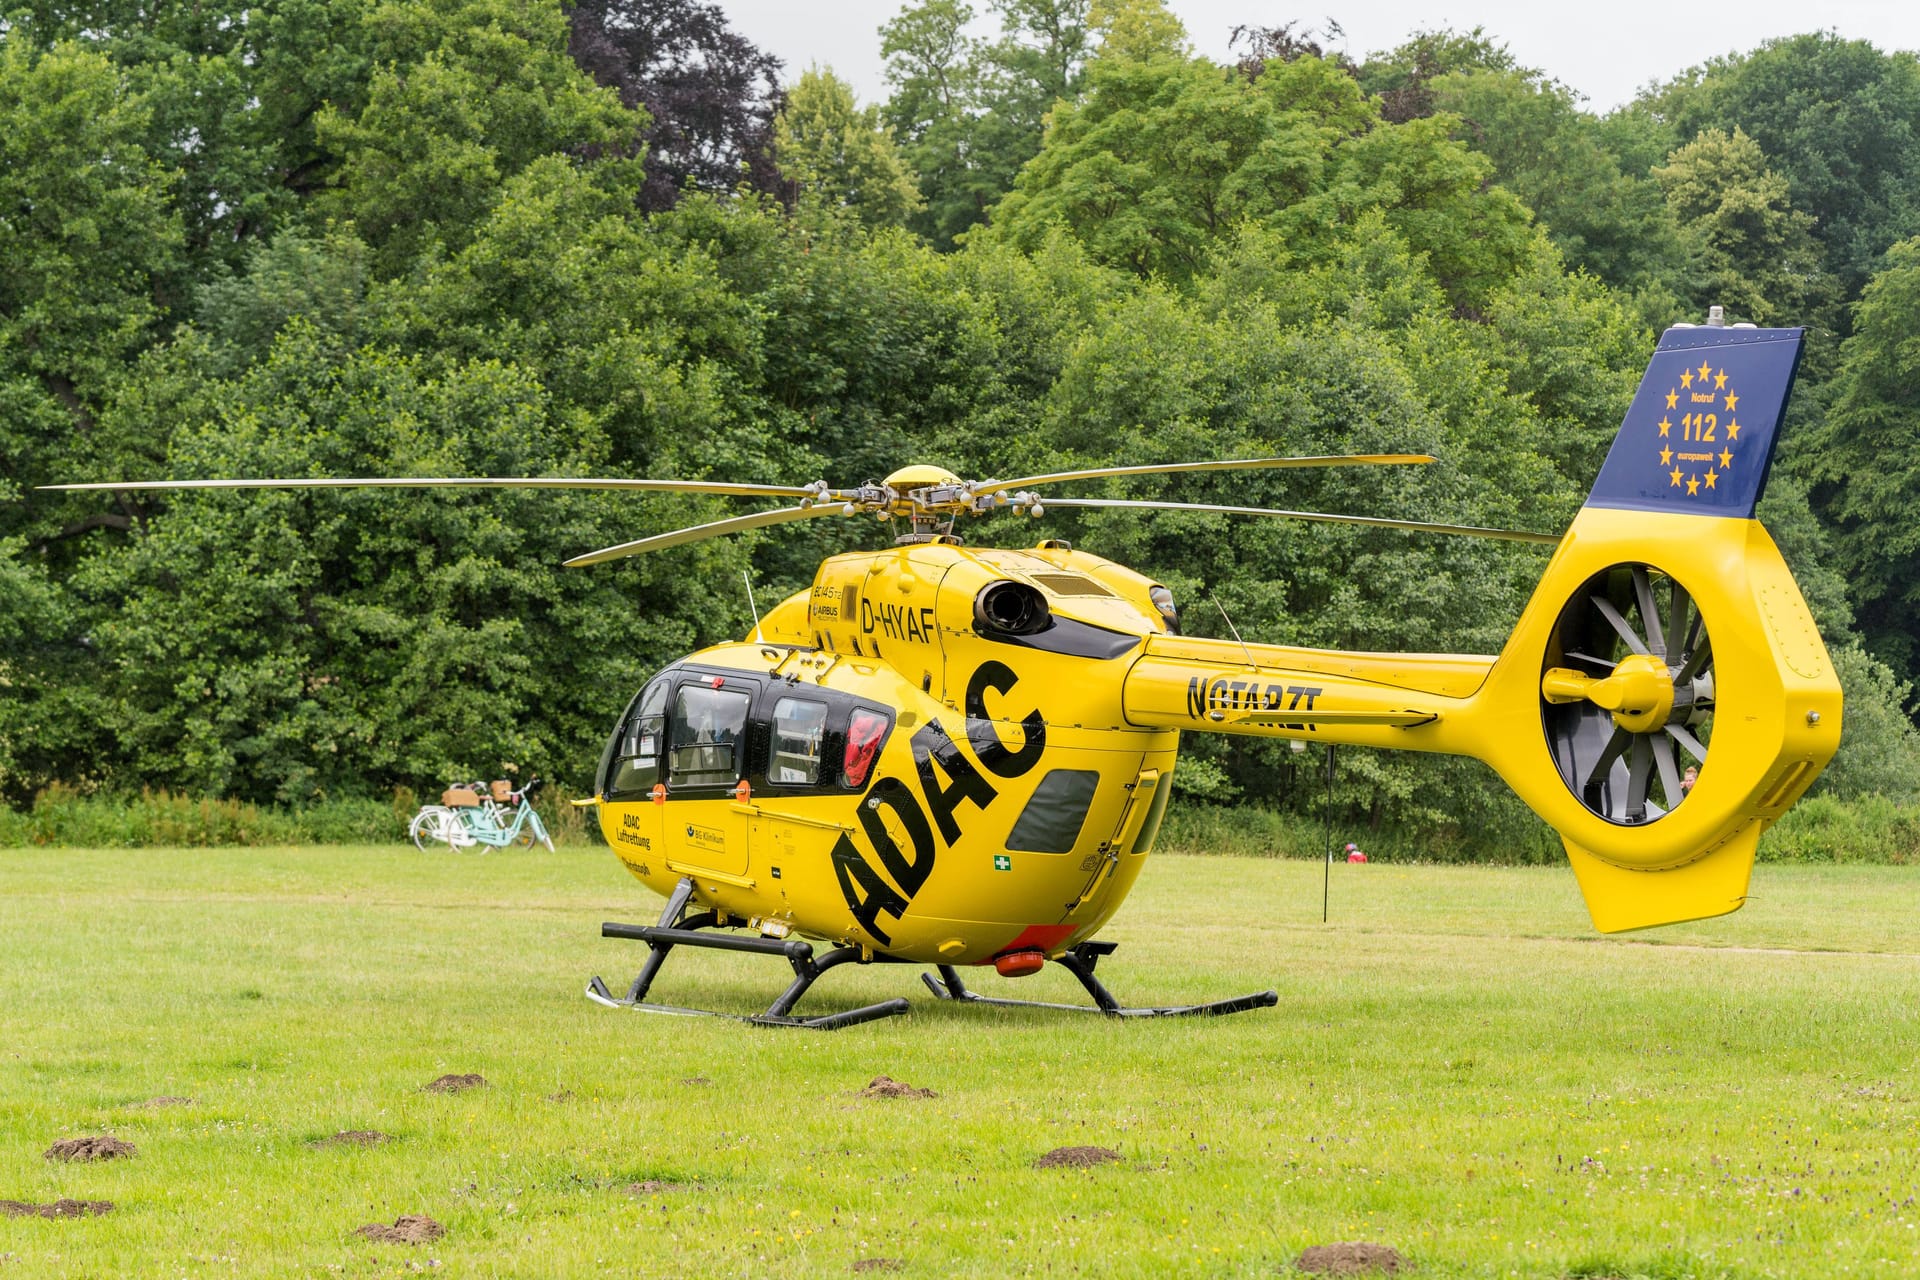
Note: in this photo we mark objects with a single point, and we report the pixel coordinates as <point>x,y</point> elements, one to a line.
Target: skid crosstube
<point>1079,960</point>
<point>673,932</point>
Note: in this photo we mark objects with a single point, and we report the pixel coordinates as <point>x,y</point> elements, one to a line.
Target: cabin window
<point>1052,820</point>
<point>866,729</point>
<point>799,734</point>
<point>704,736</point>
<point>636,749</point>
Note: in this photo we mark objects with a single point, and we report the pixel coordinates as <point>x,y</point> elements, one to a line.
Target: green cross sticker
<point>1001,862</point>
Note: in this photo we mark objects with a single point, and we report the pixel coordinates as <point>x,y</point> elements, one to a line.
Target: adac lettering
<point>931,810</point>
<point>897,621</point>
<point>1218,693</point>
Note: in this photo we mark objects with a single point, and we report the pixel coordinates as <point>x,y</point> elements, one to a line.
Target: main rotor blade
<point>720,487</point>
<point>1322,517</point>
<point>1239,464</point>
<point>698,532</point>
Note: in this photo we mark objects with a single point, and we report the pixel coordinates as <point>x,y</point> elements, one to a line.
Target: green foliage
<point>842,156</point>
<point>465,94</point>
<point>1863,463</point>
<point>1755,253</point>
<point>1611,223</point>
<point>1827,829</point>
<point>414,239</point>
<point>968,112</point>
<point>63,816</point>
<point>1838,118</point>
<point>1403,78</point>
<point>89,231</point>
<point>1166,156</point>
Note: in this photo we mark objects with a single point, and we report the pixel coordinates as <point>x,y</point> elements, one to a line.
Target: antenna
<point>1326,878</point>
<point>1236,631</point>
<point>748,579</point>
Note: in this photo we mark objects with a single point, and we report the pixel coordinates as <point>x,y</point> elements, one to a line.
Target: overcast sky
<point>1605,51</point>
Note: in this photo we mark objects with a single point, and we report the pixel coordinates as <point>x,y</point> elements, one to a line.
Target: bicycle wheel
<point>430,826</point>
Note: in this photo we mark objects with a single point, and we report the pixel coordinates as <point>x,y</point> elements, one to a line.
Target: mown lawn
<point>1459,1068</point>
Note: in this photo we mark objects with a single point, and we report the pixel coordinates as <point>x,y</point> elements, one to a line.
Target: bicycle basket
<point>501,789</point>
<point>459,798</point>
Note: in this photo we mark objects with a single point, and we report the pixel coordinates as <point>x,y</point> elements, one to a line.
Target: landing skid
<point>1079,960</point>
<point>673,932</point>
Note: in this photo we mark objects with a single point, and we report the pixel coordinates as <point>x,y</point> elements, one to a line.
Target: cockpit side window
<point>705,734</point>
<point>634,764</point>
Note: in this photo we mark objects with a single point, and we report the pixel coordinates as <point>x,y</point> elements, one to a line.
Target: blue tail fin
<point>1699,437</point>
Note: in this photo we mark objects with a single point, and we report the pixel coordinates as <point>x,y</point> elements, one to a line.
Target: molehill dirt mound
<point>354,1138</point>
<point>456,1084</point>
<point>408,1228</point>
<point>878,1264</point>
<point>96,1147</point>
<point>1354,1258</point>
<point>1076,1158</point>
<point>165,1100</point>
<point>888,1087</point>
<point>58,1209</point>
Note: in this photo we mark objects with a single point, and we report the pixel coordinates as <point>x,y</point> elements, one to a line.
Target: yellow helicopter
<point>956,756</point>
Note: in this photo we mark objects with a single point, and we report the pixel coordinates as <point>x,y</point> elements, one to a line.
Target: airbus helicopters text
<point>956,756</point>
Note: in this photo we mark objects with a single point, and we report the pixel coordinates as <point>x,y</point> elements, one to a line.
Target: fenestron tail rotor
<point>930,497</point>
<point>1625,725</point>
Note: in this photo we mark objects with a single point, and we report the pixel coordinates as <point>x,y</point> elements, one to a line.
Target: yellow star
<point>1733,430</point>
<point>1711,477</point>
<point>1665,426</point>
<point>1666,457</point>
<point>1726,459</point>
<point>1720,380</point>
<point>1703,371</point>
<point>1693,484</point>
<point>1686,377</point>
<point>1675,473</point>
<point>1733,402</point>
<point>1673,399</point>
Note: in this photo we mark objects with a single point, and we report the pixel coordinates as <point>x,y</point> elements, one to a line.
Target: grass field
<point>1458,1068</point>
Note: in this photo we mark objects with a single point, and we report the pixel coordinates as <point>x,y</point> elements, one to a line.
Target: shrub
<point>63,815</point>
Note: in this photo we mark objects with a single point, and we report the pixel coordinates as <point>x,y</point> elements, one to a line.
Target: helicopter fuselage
<point>882,765</point>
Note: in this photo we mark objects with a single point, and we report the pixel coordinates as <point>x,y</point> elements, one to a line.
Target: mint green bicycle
<point>494,816</point>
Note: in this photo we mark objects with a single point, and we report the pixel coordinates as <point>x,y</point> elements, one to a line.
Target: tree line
<point>510,237</point>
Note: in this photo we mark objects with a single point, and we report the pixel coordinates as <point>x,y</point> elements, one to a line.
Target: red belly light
<point>1018,964</point>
